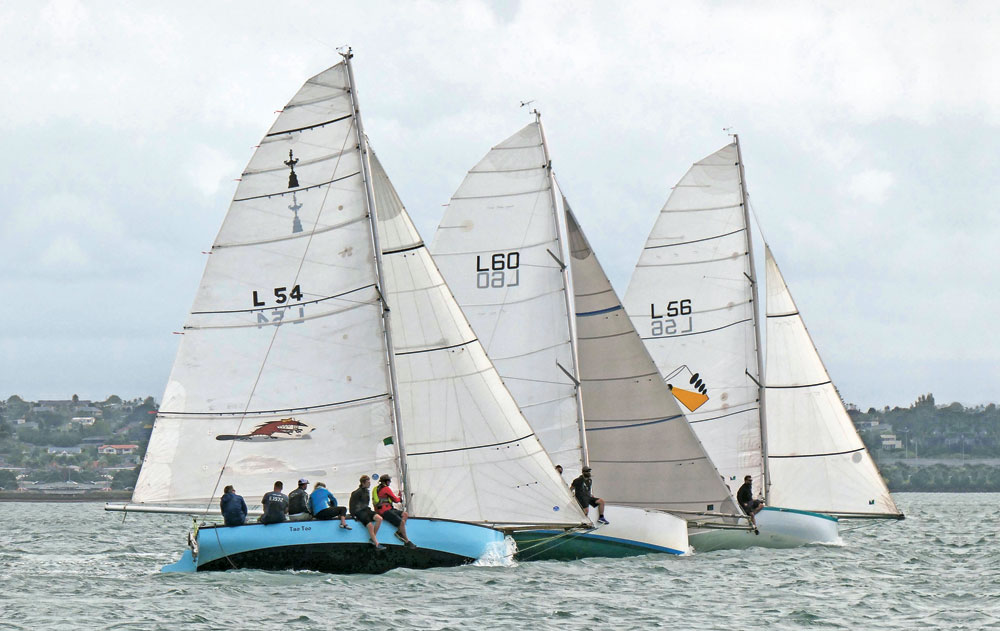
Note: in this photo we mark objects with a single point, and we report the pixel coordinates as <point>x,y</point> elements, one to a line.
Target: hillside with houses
<point>76,447</point>
<point>73,446</point>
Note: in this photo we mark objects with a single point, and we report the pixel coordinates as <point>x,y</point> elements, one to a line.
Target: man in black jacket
<point>362,512</point>
<point>581,488</point>
<point>298,502</point>
<point>749,505</point>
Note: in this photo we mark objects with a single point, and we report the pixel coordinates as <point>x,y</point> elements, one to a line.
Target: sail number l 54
<point>281,296</point>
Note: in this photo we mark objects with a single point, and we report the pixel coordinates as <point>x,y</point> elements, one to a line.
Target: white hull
<point>632,531</point>
<point>777,528</point>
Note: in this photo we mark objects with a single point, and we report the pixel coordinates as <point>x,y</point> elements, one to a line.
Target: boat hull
<point>632,532</point>
<point>324,546</point>
<point>778,528</point>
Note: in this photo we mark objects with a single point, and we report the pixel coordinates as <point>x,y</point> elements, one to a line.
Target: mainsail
<point>637,436</point>
<point>691,300</point>
<point>284,368</point>
<point>814,451</point>
<point>499,247</point>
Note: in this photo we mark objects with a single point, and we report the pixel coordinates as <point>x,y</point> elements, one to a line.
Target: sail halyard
<point>558,203</point>
<point>377,250</point>
<point>762,414</point>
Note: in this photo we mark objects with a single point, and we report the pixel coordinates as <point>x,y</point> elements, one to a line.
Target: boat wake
<point>498,554</point>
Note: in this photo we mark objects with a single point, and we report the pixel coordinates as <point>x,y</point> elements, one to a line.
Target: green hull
<point>544,545</point>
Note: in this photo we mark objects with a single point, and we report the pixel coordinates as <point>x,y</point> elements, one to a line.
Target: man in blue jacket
<point>324,505</point>
<point>234,509</point>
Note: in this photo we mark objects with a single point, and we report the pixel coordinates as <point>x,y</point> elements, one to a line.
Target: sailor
<point>362,513</point>
<point>384,498</point>
<point>581,487</point>
<point>298,502</point>
<point>747,502</point>
<point>324,506</point>
<point>275,505</point>
<point>234,509</point>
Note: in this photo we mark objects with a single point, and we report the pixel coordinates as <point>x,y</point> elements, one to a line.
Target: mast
<point>570,311</point>
<point>366,170</point>
<point>756,320</point>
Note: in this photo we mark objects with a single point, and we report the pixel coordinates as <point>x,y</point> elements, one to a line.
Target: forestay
<point>817,460</point>
<point>690,299</point>
<point>640,444</point>
<point>511,285</point>
<point>471,455</point>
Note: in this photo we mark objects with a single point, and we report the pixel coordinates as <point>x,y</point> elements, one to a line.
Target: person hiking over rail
<point>383,498</point>
<point>361,512</point>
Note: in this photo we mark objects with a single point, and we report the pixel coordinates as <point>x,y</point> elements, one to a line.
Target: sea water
<point>74,566</point>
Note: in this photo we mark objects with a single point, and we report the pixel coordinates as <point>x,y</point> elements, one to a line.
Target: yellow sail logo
<point>691,400</point>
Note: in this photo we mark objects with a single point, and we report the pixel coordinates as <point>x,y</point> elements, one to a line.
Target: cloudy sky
<point>869,132</point>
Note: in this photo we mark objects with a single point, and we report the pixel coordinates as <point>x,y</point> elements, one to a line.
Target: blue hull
<point>324,546</point>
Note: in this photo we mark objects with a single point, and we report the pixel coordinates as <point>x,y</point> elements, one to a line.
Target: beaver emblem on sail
<point>273,430</point>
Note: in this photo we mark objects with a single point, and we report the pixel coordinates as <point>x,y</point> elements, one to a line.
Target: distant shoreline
<point>21,496</point>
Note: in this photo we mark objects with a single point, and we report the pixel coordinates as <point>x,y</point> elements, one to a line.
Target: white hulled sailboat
<point>536,295</point>
<point>293,365</point>
<point>693,298</point>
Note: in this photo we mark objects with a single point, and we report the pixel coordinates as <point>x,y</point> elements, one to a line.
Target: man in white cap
<point>298,502</point>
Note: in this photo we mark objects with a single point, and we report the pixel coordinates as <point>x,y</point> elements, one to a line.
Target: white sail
<point>283,370</point>
<point>817,460</point>
<point>640,444</point>
<point>690,299</point>
<point>498,246</point>
<point>471,455</point>
<point>273,334</point>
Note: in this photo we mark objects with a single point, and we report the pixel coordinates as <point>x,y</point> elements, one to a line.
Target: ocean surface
<point>74,566</point>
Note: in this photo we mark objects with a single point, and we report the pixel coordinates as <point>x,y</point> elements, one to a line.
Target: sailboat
<point>523,271</point>
<point>323,343</point>
<point>693,297</point>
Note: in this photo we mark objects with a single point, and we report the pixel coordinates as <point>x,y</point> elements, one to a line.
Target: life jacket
<point>379,502</point>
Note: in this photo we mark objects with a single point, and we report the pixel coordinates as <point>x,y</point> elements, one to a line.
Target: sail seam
<point>783,315</point>
<point>697,210</point>
<point>296,190</point>
<point>540,166</point>
<point>277,411</point>
<point>301,163</point>
<point>725,326</point>
<point>633,425</point>
<point>832,453</point>
<point>715,418</point>
<point>604,337</point>
<point>297,304</point>
<point>533,192</point>
<point>649,374</point>
<point>289,131</point>
<point>445,451</point>
<point>805,385</point>
<point>301,235</point>
<point>406,249</point>
<point>438,348</point>
<point>636,461</point>
<point>517,147</point>
<point>672,245</point>
<point>725,258</point>
<point>599,311</point>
